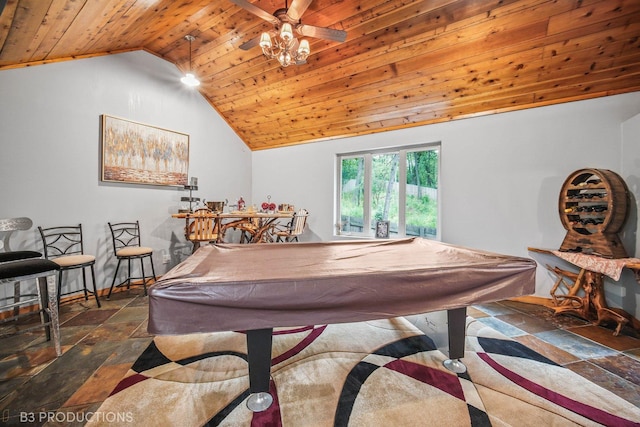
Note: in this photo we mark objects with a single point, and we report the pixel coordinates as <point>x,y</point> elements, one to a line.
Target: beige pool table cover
<point>231,287</point>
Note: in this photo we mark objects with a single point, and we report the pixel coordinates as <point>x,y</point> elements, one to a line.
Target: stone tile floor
<point>100,344</point>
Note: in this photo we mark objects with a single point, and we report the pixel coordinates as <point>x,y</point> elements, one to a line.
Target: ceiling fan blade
<point>260,13</point>
<point>297,9</point>
<point>322,33</point>
<point>250,44</point>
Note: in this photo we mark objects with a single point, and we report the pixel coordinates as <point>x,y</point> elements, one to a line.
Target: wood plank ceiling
<point>404,62</point>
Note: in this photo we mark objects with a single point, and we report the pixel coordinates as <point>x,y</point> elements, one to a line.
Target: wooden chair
<point>201,228</point>
<point>248,230</point>
<point>64,246</point>
<point>294,229</point>
<point>125,237</point>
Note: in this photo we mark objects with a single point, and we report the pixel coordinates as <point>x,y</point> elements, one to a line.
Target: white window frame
<point>402,189</point>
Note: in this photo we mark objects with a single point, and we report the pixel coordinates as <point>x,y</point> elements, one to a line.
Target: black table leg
<point>259,359</point>
<point>457,325</point>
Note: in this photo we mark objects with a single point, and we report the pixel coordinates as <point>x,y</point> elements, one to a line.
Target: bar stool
<point>8,226</point>
<point>64,246</point>
<point>44,271</point>
<point>126,246</point>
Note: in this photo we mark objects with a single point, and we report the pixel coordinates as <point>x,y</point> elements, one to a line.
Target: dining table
<point>255,226</point>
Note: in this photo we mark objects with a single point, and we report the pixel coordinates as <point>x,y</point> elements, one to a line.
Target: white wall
<point>631,174</point>
<point>500,179</point>
<point>500,175</point>
<point>50,145</point>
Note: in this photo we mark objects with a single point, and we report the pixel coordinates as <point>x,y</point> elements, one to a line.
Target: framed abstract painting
<point>136,153</point>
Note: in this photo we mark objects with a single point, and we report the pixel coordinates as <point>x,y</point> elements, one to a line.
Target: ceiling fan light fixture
<point>286,33</point>
<point>189,78</point>
<point>304,48</point>
<point>265,41</point>
<point>285,59</point>
<point>281,43</point>
<point>284,47</point>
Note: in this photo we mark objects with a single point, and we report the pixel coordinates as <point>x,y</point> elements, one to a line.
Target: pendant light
<point>189,79</point>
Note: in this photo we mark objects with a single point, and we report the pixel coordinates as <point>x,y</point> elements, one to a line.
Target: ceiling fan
<point>281,43</point>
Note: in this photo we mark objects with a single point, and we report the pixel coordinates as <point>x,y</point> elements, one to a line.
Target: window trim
<point>402,189</point>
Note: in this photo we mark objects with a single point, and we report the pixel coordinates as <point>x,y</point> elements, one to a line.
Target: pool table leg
<point>259,360</point>
<point>456,324</point>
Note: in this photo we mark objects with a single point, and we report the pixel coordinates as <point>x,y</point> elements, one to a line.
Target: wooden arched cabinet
<point>593,207</point>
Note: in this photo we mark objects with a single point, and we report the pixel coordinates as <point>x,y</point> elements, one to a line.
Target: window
<point>397,185</point>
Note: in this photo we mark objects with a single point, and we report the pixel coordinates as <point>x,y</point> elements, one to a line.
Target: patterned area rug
<point>378,373</point>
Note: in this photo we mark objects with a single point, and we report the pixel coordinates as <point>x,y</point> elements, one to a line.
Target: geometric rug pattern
<point>375,373</point>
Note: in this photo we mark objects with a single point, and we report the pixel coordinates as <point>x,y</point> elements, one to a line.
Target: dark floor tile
<point>526,322</point>
<point>635,354</point>
<point>25,320</point>
<point>475,313</point>
<point>117,301</point>
<point>78,304</point>
<point>575,344</point>
<point>26,362</point>
<point>549,351</point>
<point>605,379</point>
<point>621,365</point>
<point>566,321</point>
<point>130,314</point>
<point>493,308</point>
<point>140,301</point>
<point>66,317</point>
<point>48,390</point>
<point>534,310</point>
<point>19,342</point>
<point>116,332</point>
<point>142,332</point>
<point>82,357</point>
<point>502,327</point>
<point>128,351</point>
<point>8,386</point>
<point>99,386</point>
<point>124,295</point>
<point>72,335</point>
<point>67,311</point>
<point>39,395</point>
<point>92,317</point>
<point>561,321</point>
<point>605,336</point>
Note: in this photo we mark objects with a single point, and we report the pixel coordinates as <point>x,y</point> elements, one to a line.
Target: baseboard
<point>532,299</point>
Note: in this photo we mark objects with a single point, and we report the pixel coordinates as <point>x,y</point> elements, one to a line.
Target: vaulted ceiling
<point>404,62</point>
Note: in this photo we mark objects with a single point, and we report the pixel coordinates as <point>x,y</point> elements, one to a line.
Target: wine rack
<point>593,207</point>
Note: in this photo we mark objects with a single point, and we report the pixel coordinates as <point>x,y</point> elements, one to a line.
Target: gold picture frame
<point>137,153</point>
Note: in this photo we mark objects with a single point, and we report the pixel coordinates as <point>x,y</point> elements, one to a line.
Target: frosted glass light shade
<point>190,80</point>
